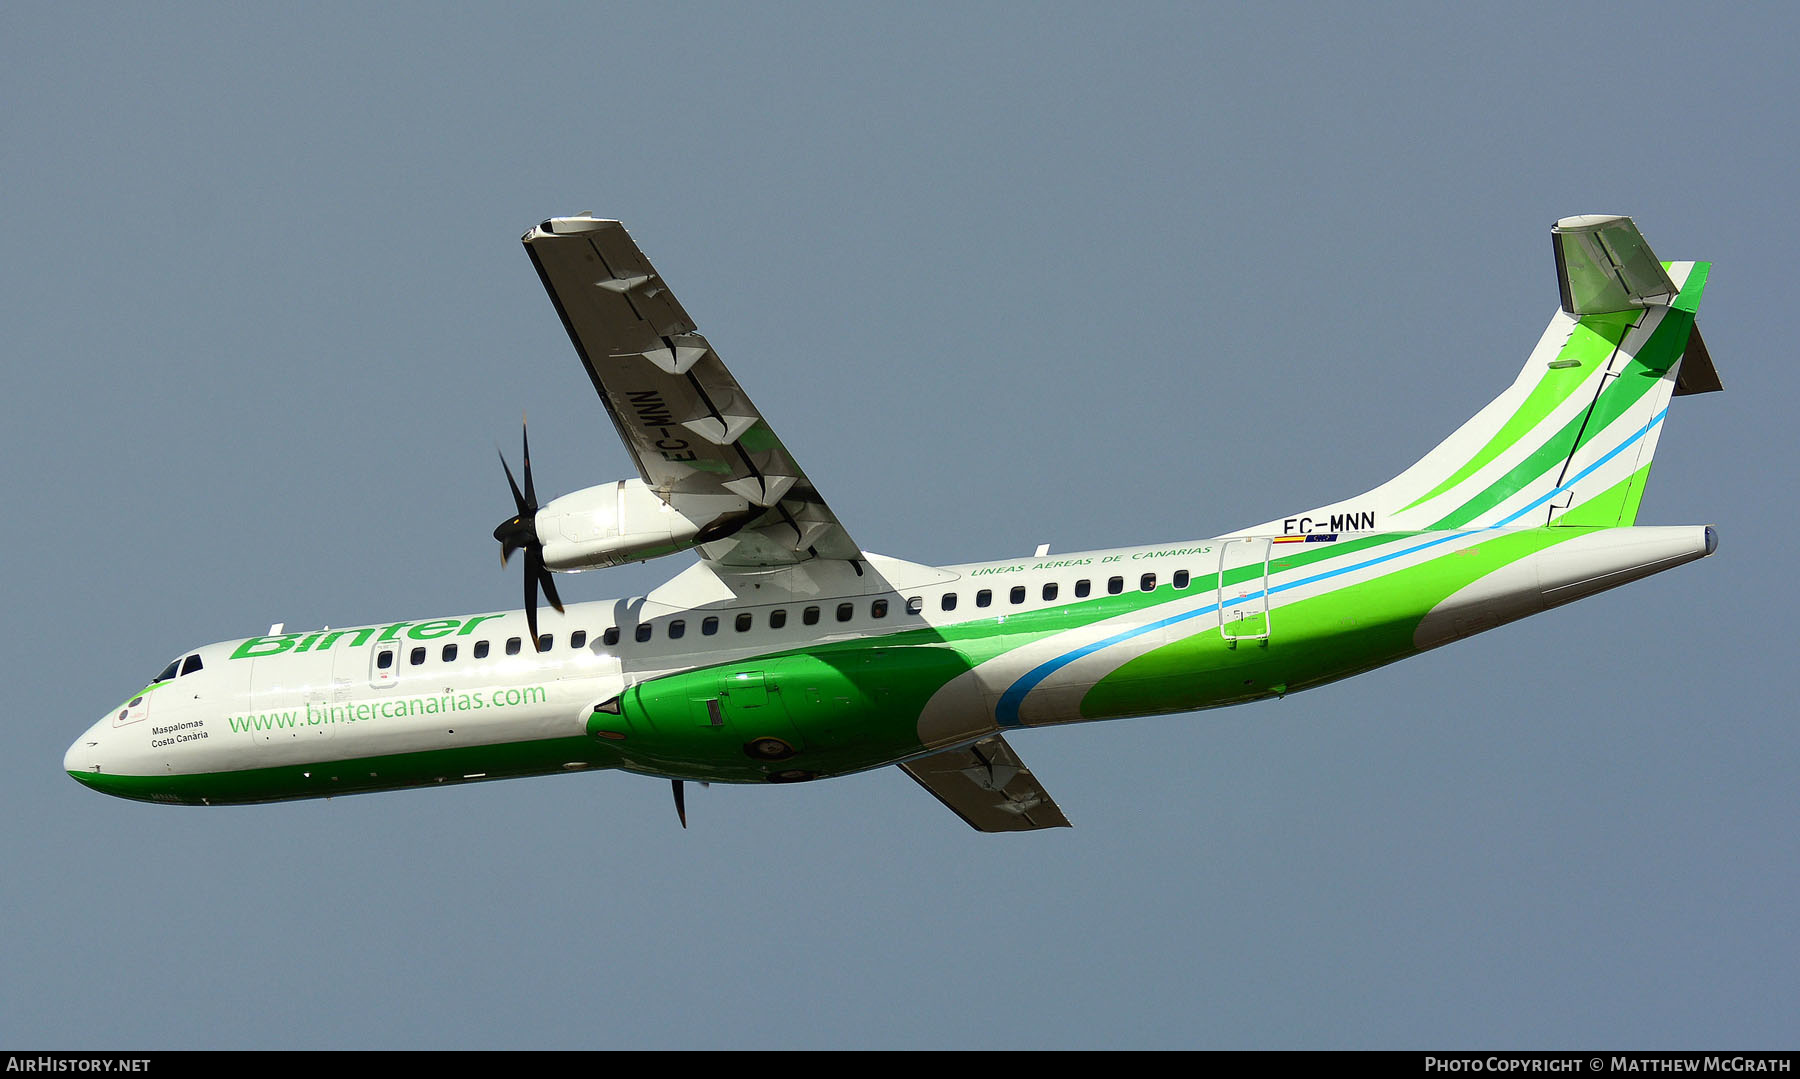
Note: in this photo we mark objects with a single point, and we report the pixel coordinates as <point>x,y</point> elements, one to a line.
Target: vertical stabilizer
<point>1571,440</point>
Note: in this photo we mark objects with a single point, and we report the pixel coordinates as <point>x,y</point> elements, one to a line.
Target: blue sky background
<point>1001,274</point>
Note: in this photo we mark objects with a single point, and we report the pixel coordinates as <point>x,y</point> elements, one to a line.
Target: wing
<point>986,785</point>
<point>684,419</point>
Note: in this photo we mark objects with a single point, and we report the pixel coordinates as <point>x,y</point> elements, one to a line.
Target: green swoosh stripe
<point>1589,347</point>
<point>1645,370</point>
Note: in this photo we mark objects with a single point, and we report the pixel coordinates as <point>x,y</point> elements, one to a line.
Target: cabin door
<point>1244,588</point>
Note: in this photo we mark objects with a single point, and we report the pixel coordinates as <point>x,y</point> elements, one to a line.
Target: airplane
<point>788,653</point>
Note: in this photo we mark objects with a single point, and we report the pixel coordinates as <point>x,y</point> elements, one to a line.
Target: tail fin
<point>1571,440</point>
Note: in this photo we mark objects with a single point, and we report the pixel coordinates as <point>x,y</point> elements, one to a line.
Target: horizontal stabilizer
<point>1697,374</point>
<point>1604,265</point>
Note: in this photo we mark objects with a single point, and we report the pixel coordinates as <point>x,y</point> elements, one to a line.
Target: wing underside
<point>684,419</point>
<point>988,786</point>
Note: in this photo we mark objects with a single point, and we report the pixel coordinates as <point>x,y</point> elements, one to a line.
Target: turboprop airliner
<point>788,653</point>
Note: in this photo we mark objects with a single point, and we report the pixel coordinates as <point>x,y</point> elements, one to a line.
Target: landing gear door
<point>752,705</point>
<point>746,690</point>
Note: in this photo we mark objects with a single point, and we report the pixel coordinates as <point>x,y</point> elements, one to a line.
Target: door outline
<point>1243,606</point>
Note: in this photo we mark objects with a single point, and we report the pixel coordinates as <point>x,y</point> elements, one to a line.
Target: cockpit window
<point>191,664</point>
<point>168,672</point>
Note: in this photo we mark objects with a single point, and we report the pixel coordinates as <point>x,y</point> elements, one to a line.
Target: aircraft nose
<point>83,757</point>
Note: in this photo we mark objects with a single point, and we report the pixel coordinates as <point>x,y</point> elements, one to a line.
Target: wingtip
<point>572,226</point>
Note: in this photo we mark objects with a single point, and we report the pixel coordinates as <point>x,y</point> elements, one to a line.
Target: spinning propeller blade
<point>519,533</point>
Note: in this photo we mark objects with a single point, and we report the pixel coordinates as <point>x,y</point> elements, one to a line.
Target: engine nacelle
<point>626,521</point>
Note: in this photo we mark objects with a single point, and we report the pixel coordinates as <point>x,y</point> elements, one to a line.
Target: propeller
<point>519,533</point>
<point>680,788</point>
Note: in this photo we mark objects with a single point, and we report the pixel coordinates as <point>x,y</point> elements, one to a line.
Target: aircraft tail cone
<point>1615,556</point>
<point>1570,570</point>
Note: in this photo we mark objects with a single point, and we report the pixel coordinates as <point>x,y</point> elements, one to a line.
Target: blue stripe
<point>1007,710</point>
<point>1584,473</point>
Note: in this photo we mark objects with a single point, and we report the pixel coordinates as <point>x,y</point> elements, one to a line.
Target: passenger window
<point>546,642</point>
<point>578,638</point>
<point>1181,578</point>
<point>449,653</point>
<point>709,625</point>
<point>417,657</point>
<point>915,604</point>
<point>878,609</point>
<point>512,646</point>
<point>643,631</point>
<point>845,610</point>
<point>610,637</point>
<point>1050,591</point>
<point>744,622</point>
<point>1115,585</point>
<point>481,649</point>
<point>1147,582</point>
<point>949,601</point>
<point>191,664</point>
<point>810,616</point>
<point>778,618</point>
<point>384,659</point>
<point>984,597</point>
<point>1082,588</point>
<point>677,629</point>
<point>1018,593</point>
